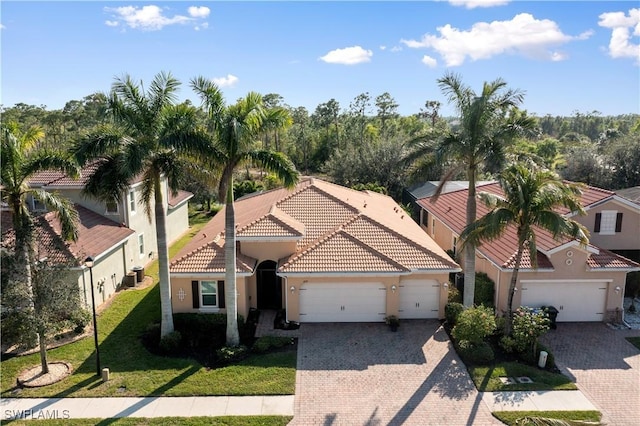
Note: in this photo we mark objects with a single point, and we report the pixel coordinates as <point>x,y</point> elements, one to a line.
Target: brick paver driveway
<point>364,374</point>
<point>604,365</point>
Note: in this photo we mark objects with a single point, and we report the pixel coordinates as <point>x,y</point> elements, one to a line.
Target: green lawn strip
<point>169,421</point>
<point>136,372</point>
<point>510,417</point>
<point>486,378</point>
<point>635,341</point>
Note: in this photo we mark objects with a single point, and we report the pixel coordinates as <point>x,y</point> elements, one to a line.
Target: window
<point>454,245</point>
<point>425,218</point>
<point>132,201</point>
<point>38,206</point>
<point>433,227</point>
<point>208,294</point>
<point>608,222</point>
<point>112,207</point>
<point>141,245</point>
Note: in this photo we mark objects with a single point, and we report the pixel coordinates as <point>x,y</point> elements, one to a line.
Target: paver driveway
<point>364,374</point>
<point>604,365</point>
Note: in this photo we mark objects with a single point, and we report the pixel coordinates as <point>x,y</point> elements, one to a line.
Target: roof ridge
<point>377,252</point>
<point>404,238</point>
<point>273,213</point>
<point>198,249</point>
<point>335,198</point>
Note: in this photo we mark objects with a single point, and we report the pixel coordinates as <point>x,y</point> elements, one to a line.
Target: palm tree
<point>236,128</point>
<point>22,158</point>
<point>489,121</point>
<point>149,138</point>
<point>530,200</point>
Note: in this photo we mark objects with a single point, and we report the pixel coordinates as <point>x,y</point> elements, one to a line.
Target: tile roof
<point>609,260</point>
<point>450,208</point>
<point>96,235</point>
<point>178,198</point>
<point>631,194</point>
<point>210,258</point>
<point>366,230</point>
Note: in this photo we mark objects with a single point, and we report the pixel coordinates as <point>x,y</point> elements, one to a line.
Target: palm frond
<point>63,209</point>
<point>277,163</point>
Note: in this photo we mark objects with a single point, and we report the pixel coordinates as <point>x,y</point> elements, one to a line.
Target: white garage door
<point>576,300</point>
<point>419,299</point>
<point>342,302</point>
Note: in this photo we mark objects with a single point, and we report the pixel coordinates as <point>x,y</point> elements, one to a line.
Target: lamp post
<point>88,262</point>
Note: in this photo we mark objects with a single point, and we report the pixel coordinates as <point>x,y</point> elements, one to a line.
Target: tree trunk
<point>512,287</point>
<point>166,323</point>
<point>233,337</point>
<point>42,342</point>
<point>470,250</point>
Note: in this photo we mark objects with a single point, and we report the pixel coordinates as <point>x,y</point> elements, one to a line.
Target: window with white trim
<point>208,293</point>
<point>132,201</point>
<point>608,222</point>
<point>111,207</point>
<point>141,244</point>
<point>425,218</point>
<point>454,245</point>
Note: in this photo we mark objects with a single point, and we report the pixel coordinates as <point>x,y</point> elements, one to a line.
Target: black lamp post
<point>88,262</point>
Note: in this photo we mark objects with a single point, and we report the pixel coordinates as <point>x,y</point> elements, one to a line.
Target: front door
<point>269,286</point>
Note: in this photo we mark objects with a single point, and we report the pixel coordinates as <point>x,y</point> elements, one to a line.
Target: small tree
<point>528,327</point>
<point>474,324</point>
<point>33,316</point>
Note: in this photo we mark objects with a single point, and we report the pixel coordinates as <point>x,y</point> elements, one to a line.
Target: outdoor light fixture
<point>618,289</point>
<point>445,285</point>
<point>88,262</point>
<point>393,288</point>
<point>292,289</point>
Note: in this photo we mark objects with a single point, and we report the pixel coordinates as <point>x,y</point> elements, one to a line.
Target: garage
<point>342,302</point>
<point>419,299</point>
<point>576,301</point>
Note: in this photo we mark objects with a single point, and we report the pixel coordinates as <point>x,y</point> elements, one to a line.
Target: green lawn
<point>635,341</point>
<point>486,378</point>
<point>169,421</point>
<point>510,417</point>
<point>136,372</point>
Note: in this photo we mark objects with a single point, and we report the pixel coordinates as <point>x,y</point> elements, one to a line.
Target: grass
<point>486,378</point>
<point>169,421</point>
<point>635,341</point>
<point>510,417</point>
<point>135,371</point>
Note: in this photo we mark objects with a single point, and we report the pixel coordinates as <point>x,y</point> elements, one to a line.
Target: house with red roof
<point>322,252</point>
<point>583,283</point>
<point>119,236</point>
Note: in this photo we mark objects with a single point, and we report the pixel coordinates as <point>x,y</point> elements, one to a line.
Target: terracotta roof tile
<point>608,260</point>
<point>178,198</point>
<point>325,216</point>
<point>210,258</point>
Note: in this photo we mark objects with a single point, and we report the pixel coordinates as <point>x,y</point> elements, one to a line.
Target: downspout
<point>286,299</point>
<point>84,286</point>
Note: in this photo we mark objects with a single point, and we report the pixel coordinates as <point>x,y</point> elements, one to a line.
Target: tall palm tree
<point>149,138</point>
<point>489,121</point>
<point>235,128</point>
<point>21,159</point>
<point>530,201</point>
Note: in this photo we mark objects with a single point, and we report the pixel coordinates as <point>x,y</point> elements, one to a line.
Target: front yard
<point>137,372</point>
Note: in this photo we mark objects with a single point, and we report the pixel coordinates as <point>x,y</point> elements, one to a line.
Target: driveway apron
<point>604,365</point>
<point>364,374</point>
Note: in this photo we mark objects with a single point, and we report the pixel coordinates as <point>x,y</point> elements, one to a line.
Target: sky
<point>566,56</point>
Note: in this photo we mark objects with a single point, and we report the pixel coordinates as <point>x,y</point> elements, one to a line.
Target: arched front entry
<point>269,286</point>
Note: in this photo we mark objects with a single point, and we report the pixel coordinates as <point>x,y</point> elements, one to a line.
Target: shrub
<point>484,290</point>
<point>528,326</point>
<point>451,312</point>
<point>151,337</point>
<point>480,353</point>
<point>501,323</point>
<point>454,294</point>
<point>474,324</point>
<point>229,354</point>
<point>508,344</point>
<point>171,343</point>
<point>267,343</point>
<point>80,321</point>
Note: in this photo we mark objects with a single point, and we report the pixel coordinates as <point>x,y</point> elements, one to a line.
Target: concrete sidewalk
<point>537,401</point>
<point>103,408</point>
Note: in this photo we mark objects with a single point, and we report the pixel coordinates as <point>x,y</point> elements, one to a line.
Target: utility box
<point>130,279</point>
<point>105,374</point>
<point>542,361</point>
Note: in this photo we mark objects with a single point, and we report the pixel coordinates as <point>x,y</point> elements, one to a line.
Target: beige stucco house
<point>583,283</point>
<point>322,252</point>
<point>119,236</point>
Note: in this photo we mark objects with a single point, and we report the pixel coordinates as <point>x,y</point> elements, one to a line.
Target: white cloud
<point>199,12</point>
<point>621,44</point>
<point>383,47</point>
<point>429,61</point>
<point>152,18</point>
<point>2,27</point>
<point>472,4</point>
<point>228,81</point>
<point>524,35</point>
<point>396,49</point>
<point>348,56</point>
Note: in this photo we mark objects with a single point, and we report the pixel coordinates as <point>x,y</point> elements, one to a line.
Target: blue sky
<point>567,56</point>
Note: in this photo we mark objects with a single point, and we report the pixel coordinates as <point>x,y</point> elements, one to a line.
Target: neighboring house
<point>584,283</point>
<point>119,236</point>
<point>411,195</point>
<point>323,252</point>
<point>632,194</point>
